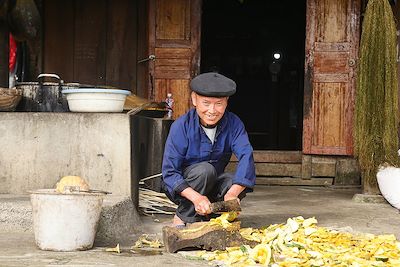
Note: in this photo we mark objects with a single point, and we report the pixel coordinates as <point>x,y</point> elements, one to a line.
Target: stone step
<point>15,213</point>
<point>118,217</point>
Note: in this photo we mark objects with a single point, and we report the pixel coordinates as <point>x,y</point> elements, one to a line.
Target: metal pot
<point>43,96</point>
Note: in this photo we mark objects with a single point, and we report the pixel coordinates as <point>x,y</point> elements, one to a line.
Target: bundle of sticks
<point>152,202</point>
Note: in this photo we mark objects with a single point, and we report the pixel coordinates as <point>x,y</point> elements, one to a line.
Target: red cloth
<point>13,54</point>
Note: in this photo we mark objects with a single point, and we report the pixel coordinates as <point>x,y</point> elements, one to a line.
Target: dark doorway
<point>239,40</point>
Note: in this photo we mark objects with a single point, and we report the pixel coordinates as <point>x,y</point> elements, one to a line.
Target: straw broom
<point>151,202</point>
<point>376,116</point>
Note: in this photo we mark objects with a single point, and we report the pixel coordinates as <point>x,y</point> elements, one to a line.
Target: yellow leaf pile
<point>300,242</point>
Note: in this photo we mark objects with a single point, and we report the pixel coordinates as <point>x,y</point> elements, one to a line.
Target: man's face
<point>209,109</point>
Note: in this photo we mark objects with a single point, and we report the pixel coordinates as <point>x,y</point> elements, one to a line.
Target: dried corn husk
<point>146,241</point>
<point>300,242</point>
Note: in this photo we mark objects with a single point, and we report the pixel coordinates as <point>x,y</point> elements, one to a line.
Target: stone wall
<point>37,149</point>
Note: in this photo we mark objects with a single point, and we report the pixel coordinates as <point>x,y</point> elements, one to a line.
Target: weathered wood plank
<point>329,115</point>
<point>143,80</point>
<point>4,54</point>
<point>331,49</point>
<point>306,167</point>
<point>121,54</point>
<point>339,46</point>
<point>331,77</point>
<point>275,169</point>
<point>347,172</point>
<point>173,20</point>
<point>58,39</point>
<point>275,156</point>
<point>331,62</point>
<point>323,167</point>
<point>172,72</point>
<point>172,53</point>
<point>90,42</point>
<point>331,22</point>
<point>272,169</point>
<point>294,181</point>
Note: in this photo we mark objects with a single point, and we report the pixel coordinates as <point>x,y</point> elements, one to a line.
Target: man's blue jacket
<point>187,144</point>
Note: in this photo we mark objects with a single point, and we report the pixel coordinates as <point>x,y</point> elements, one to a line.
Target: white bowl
<point>96,99</point>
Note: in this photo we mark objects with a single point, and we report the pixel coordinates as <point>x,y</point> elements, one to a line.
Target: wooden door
<point>174,33</point>
<point>332,37</point>
<point>91,41</point>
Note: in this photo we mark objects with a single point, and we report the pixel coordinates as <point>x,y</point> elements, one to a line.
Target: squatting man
<point>198,148</point>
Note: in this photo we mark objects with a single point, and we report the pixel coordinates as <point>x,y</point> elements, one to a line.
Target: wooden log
<point>203,235</point>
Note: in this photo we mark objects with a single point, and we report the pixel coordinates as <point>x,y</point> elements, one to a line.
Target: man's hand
<point>201,203</point>
<point>230,197</point>
<point>234,192</point>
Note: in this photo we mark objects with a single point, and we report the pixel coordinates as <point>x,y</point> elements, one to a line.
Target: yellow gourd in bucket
<point>72,181</point>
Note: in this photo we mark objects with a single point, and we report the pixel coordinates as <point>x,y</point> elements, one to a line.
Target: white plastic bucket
<point>65,222</point>
<point>389,184</point>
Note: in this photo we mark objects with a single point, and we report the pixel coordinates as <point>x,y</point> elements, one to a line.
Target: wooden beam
<point>4,54</point>
<point>323,167</point>
<point>272,169</point>
<point>294,181</point>
<point>306,167</point>
<point>275,156</point>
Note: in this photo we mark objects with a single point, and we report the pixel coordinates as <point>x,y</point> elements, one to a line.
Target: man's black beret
<point>213,84</point>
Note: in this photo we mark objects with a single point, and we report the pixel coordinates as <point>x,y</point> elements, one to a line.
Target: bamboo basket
<point>9,98</point>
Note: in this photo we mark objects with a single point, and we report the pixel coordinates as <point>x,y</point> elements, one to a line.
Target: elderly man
<point>198,148</point>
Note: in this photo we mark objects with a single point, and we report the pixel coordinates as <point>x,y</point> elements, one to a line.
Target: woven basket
<point>9,98</point>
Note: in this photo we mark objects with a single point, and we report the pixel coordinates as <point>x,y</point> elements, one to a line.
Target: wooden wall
<point>91,41</point>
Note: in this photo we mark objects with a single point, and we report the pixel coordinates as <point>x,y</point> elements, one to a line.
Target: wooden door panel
<point>329,114</point>
<point>173,52</point>
<point>331,52</point>
<point>331,20</point>
<point>172,63</point>
<point>339,46</point>
<point>174,32</point>
<point>331,62</point>
<point>173,20</point>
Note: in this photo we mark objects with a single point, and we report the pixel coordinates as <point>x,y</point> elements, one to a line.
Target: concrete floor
<point>267,205</point>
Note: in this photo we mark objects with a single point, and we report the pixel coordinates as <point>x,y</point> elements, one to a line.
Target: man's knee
<point>200,174</point>
<point>202,169</point>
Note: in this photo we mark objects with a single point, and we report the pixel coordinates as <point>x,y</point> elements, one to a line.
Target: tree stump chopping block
<point>203,235</point>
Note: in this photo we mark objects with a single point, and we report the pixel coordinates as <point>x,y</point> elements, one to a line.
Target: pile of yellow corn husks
<point>300,242</point>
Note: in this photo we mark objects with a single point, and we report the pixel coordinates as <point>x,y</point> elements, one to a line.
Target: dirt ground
<point>266,205</point>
